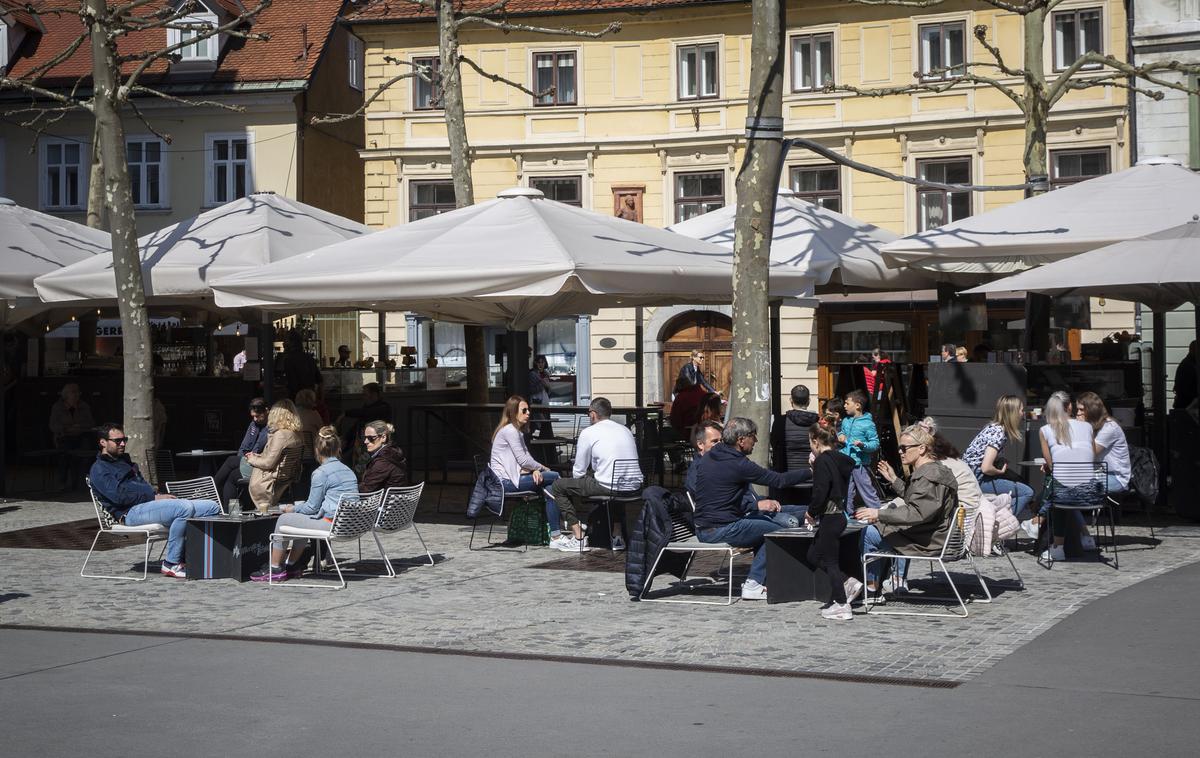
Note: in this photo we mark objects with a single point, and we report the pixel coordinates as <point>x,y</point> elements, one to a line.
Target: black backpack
<point>1143,478</point>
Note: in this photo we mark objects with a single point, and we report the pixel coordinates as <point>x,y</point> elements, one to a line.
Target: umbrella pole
<point>3,435</point>
<point>1158,389</point>
<point>266,353</point>
<point>639,354</point>
<point>776,362</point>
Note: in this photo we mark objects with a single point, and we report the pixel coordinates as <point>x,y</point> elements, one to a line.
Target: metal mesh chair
<point>956,548</point>
<point>160,465</point>
<point>396,513</point>
<point>109,525</point>
<point>356,515</point>
<point>200,488</point>
<point>683,540</point>
<point>625,486</point>
<point>1079,487</point>
<point>519,496</point>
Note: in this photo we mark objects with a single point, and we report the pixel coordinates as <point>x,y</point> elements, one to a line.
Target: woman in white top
<point>515,467</point>
<point>1110,443</point>
<point>1066,440</point>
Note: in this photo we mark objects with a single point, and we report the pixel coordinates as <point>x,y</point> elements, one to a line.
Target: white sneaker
<point>837,612</point>
<point>853,589</point>
<point>556,543</point>
<point>570,545</point>
<point>895,586</point>
<point>1031,529</point>
<point>1055,553</point>
<point>1087,542</point>
<point>618,544</point>
<point>752,590</point>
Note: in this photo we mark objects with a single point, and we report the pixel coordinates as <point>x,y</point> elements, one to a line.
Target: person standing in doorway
<point>693,372</point>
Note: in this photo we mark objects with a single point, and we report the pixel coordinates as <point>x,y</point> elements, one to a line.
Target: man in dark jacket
<point>692,373</point>
<point>789,441</point>
<point>132,501</point>
<point>253,441</point>
<point>723,479</point>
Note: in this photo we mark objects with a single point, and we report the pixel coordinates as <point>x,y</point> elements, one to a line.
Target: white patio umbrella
<point>32,244</point>
<point>178,261</point>
<point>833,248</point>
<point>1161,270</point>
<point>514,260</point>
<point>1141,200</point>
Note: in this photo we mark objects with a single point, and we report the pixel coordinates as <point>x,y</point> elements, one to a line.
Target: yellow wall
<point>629,128</point>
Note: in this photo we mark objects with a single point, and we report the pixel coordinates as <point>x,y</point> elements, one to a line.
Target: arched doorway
<point>708,331</point>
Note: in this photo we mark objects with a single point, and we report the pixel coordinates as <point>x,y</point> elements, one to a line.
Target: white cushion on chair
<point>697,545</point>
<point>151,529</point>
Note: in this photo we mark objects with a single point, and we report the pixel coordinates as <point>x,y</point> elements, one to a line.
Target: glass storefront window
<point>853,340</point>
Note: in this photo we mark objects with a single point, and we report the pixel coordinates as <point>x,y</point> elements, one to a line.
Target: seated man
<point>598,448</point>
<point>722,493</point>
<point>708,434</point>
<point>71,426</point>
<point>253,441</point>
<point>132,501</point>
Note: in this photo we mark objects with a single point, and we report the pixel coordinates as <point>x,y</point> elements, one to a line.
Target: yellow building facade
<point>655,113</point>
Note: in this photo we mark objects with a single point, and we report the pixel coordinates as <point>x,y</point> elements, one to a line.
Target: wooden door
<point>707,331</point>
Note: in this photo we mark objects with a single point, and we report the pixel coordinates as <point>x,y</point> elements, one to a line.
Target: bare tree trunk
<point>131,297</point>
<point>1037,109</point>
<point>464,195</point>
<point>96,216</point>
<point>757,186</point>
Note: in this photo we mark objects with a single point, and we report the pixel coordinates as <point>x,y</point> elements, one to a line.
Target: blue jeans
<point>526,484</point>
<point>172,514</point>
<point>874,542</point>
<point>745,532</point>
<point>790,516</point>
<point>1022,493</point>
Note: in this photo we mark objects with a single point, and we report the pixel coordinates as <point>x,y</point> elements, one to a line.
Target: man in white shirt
<point>598,448</point>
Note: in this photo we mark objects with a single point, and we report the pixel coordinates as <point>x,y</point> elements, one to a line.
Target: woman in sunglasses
<point>387,466</point>
<point>517,470</point>
<point>920,524</point>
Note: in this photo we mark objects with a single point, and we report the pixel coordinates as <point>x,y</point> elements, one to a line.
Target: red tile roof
<point>404,10</point>
<point>298,31</point>
<point>13,11</point>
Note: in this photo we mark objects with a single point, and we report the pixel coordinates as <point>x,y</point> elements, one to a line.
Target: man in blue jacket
<point>722,481</point>
<point>131,500</point>
<point>253,441</point>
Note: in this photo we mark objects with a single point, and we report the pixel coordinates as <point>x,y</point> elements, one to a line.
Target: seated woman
<point>1109,444</point>
<point>310,419</point>
<point>1065,440</point>
<point>984,457</point>
<point>921,524</point>
<point>387,466</point>
<point>831,477</point>
<point>330,481</point>
<point>517,469</point>
<point>267,480</point>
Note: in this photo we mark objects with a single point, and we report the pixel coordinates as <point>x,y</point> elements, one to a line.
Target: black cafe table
<point>206,458</point>
<point>228,547</point>
<point>790,577</point>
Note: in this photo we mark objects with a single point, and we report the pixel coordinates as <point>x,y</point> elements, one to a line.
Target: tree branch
<point>508,26</point>
<point>141,89</point>
<point>1065,83</point>
<point>934,87</point>
<point>502,80</point>
<point>981,31</point>
<point>141,117</point>
<point>337,118</point>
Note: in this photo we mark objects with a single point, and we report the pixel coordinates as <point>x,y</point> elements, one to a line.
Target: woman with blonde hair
<point>387,466</point>
<point>985,455</point>
<point>960,354</point>
<point>1066,440</point>
<point>267,480</point>
<point>330,482</point>
<point>518,471</point>
<point>921,523</point>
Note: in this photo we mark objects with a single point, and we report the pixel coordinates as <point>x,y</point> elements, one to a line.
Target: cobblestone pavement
<point>497,601</point>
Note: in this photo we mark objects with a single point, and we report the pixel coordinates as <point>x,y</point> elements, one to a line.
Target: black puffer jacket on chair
<point>651,532</point>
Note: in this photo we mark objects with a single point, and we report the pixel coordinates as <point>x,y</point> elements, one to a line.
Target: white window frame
<point>356,62</point>
<point>793,74</point>
<point>417,82</point>
<point>210,141</point>
<point>84,168</point>
<point>672,210</point>
<point>3,46</point>
<point>676,60</point>
<point>1053,48</point>
<point>941,21</point>
<point>175,36</point>
<point>164,200</point>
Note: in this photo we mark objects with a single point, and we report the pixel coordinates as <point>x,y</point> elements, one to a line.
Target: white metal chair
<point>1079,487</point>
<point>109,525</point>
<point>396,513</point>
<point>683,540</point>
<point>200,488</point>
<point>356,514</point>
<point>956,548</point>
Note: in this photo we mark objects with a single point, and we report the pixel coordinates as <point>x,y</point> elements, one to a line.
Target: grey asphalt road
<point>1117,678</point>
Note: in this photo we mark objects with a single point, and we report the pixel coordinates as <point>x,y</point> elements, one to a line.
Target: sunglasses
<point>905,448</point>
<point>522,410</point>
<point>371,437</point>
<point>118,440</point>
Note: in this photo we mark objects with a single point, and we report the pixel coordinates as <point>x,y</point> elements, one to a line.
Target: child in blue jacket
<point>860,441</point>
